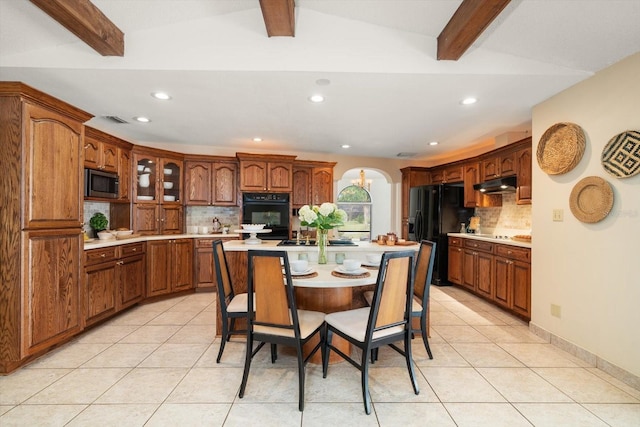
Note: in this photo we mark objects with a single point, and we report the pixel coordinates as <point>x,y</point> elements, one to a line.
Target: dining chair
<point>232,306</point>
<point>276,318</point>
<point>422,283</point>
<point>386,321</point>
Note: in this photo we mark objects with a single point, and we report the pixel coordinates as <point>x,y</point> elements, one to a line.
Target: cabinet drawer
<point>455,241</point>
<point>204,243</point>
<point>131,249</point>
<point>478,245</point>
<point>514,252</point>
<point>96,256</point>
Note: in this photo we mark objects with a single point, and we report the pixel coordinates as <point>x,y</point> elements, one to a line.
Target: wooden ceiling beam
<point>86,21</point>
<point>279,17</point>
<point>466,25</point>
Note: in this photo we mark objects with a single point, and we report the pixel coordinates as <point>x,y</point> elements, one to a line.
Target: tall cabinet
<point>41,152</point>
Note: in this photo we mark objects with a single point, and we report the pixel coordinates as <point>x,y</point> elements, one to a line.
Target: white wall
<point>592,271</point>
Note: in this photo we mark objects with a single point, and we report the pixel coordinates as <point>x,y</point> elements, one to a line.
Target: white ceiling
<point>387,93</point>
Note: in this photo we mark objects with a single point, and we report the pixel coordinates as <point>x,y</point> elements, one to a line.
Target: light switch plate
<point>558,215</point>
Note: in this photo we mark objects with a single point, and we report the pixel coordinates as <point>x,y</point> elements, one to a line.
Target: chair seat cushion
<point>354,324</point>
<point>416,307</point>
<point>239,303</point>
<point>309,322</point>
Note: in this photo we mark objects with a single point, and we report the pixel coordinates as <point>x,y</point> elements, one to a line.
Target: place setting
<point>372,262</point>
<point>300,269</point>
<point>350,269</point>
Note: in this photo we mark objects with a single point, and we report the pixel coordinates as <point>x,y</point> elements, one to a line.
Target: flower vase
<point>322,237</point>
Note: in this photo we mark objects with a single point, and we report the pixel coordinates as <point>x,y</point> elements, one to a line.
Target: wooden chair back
<point>223,277</point>
<point>424,270</point>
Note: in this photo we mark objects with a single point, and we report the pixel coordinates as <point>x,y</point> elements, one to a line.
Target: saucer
<point>370,264</point>
<point>302,273</point>
<point>355,272</point>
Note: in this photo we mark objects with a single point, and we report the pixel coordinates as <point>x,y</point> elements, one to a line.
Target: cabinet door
<point>503,281</point>
<point>100,292</point>
<point>109,158</point>
<point>508,164</point>
<point>182,264</point>
<point>158,267</point>
<point>469,269</point>
<point>455,265</point>
<point>485,276</point>
<point>225,184</point>
<point>53,179</point>
<point>438,176</point>
<point>523,166</point>
<point>92,153</point>
<point>198,183</point>
<point>471,177</point>
<point>454,174</point>
<point>521,288</point>
<point>146,182</point>
<point>253,175</point>
<point>490,168</point>
<point>124,172</point>
<point>301,194</point>
<point>51,305</point>
<point>146,219</point>
<point>171,219</point>
<point>280,177</point>
<point>322,185</point>
<point>204,268</point>
<point>131,276</point>
<point>170,183</point>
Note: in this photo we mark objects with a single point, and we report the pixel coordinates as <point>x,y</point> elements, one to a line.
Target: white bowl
<point>253,227</point>
<point>140,168</point>
<point>105,235</point>
<point>168,185</point>
<point>169,198</point>
<point>124,232</point>
<point>145,197</point>
<point>299,265</point>
<point>351,264</point>
<point>374,258</point>
<point>167,171</point>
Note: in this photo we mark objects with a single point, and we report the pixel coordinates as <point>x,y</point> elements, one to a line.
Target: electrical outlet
<point>555,311</point>
<point>558,215</point>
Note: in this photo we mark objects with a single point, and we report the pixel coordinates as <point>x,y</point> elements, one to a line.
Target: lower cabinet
<point>205,276</point>
<point>477,267</point>
<point>513,279</point>
<point>114,280</point>
<point>169,266</point>
<point>454,270</point>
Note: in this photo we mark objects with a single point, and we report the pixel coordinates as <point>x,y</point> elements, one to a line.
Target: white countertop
<point>97,244</point>
<point>489,238</point>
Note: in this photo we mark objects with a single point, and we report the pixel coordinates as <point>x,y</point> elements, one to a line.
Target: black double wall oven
<point>272,209</point>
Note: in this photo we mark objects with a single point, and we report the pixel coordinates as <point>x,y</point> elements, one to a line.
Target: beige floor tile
<point>262,415</point>
<point>508,334</point>
<point>412,414</point>
<point>538,355</point>
<point>20,385</point>
<point>486,415</point>
<point>584,387</point>
<point>194,334</point>
<point>445,318</point>
<point>150,334</point>
<point>5,408</point>
<point>485,354</point>
<point>615,414</point>
<point>616,382</point>
<point>136,316</point>
<point>174,356</point>
<point>233,355</point>
<point>443,355</point>
<point>107,334</point>
<point>459,334</point>
<point>204,318</point>
<point>163,305</point>
<point>114,415</point>
<point>510,319</point>
<point>144,385</point>
<point>337,414</point>
<point>272,384</point>
<point>480,318</point>
<point>79,386</point>
<point>522,385</point>
<point>121,356</point>
<point>394,385</point>
<point>208,385</point>
<point>460,385</point>
<point>71,355</point>
<point>558,414</point>
<point>173,318</point>
<point>40,415</point>
<point>199,414</point>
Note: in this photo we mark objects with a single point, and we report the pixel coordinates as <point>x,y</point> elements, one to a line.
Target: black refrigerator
<point>434,211</point>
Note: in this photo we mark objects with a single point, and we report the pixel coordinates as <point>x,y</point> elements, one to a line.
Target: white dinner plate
<point>302,273</point>
<point>355,272</point>
<point>371,264</point>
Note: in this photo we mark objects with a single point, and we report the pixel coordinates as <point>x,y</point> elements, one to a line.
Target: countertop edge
<point>97,244</point>
<point>491,239</point>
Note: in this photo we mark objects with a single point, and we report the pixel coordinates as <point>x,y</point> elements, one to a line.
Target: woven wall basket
<point>560,149</point>
<point>591,199</point>
<point>621,155</point>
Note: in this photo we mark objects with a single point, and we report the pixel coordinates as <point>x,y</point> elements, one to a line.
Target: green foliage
<point>99,221</point>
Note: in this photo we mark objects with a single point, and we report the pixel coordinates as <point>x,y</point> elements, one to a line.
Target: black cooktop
<point>313,242</point>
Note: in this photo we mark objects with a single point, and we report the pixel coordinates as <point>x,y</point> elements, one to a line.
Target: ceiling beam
<point>279,17</point>
<point>466,25</point>
<point>86,21</point>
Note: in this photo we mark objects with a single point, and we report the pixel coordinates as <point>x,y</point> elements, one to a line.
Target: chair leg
<point>223,339</point>
<point>425,338</point>
<point>364,369</point>
<point>300,378</point>
<point>408,359</point>
<point>274,353</point>
<point>232,327</point>
<point>325,351</point>
<point>247,364</point>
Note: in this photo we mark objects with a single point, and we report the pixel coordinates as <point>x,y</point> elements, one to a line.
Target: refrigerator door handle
<point>418,226</point>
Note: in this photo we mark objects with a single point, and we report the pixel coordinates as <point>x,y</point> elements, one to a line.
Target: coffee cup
<point>374,258</point>
<point>303,256</point>
<point>299,265</point>
<point>204,230</point>
<point>351,264</point>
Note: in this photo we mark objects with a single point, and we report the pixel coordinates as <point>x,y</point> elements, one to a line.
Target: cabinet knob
<point>134,249</point>
<point>120,262</point>
<point>103,255</point>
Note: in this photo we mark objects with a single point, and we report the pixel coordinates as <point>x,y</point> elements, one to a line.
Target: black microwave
<point>100,184</point>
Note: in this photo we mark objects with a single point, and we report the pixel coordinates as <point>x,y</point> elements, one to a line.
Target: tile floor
<point>155,365</point>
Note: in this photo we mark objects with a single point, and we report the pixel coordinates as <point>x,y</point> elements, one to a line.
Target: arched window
<point>356,202</point>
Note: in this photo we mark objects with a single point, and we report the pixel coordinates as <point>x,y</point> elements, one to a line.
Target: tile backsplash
<point>91,208</point>
<point>198,216</point>
<point>508,219</point>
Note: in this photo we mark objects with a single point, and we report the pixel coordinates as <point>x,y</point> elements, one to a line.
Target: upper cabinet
<point>498,166</point>
<point>523,168</point>
<point>447,174</point>
<point>269,173</point>
<point>312,183</point>
<point>110,154</point>
<point>212,183</point>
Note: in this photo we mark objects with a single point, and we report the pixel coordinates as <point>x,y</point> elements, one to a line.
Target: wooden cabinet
<point>211,183</point>
<point>130,275</point>
<point>477,267</point>
<point>312,183</point>
<point>100,155</point>
<point>205,276</point>
<point>41,212</point>
<point>471,177</point>
<point>262,173</point>
<point>447,174</point>
<point>524,178</point>
<point>454,270</point>
<point>498,166</point>
<point>411,177</point>
<point>169,266</point>
<point>110,154</point>
<point>513,279</point>
<point>157,219</point>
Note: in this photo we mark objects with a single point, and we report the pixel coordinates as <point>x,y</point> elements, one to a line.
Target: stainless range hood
<point>497,186</point>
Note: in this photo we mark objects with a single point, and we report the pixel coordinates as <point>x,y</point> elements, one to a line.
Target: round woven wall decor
<point>560,149</point>
<point>621,155</point>
<point>591,199</point>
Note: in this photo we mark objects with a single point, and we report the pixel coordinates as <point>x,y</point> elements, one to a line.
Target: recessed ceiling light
<point>316,98</point>
<point>323,82</point>
<point>161,95</point>
<point>257,139</point>
<point>345,146</point>
<point>433,143</point>
<point>142,119</point>
<point>469,101</point>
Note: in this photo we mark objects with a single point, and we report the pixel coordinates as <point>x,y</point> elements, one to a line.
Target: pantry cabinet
<point>169,266</point>
<point>260,173</point>
<point>211,183</point>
